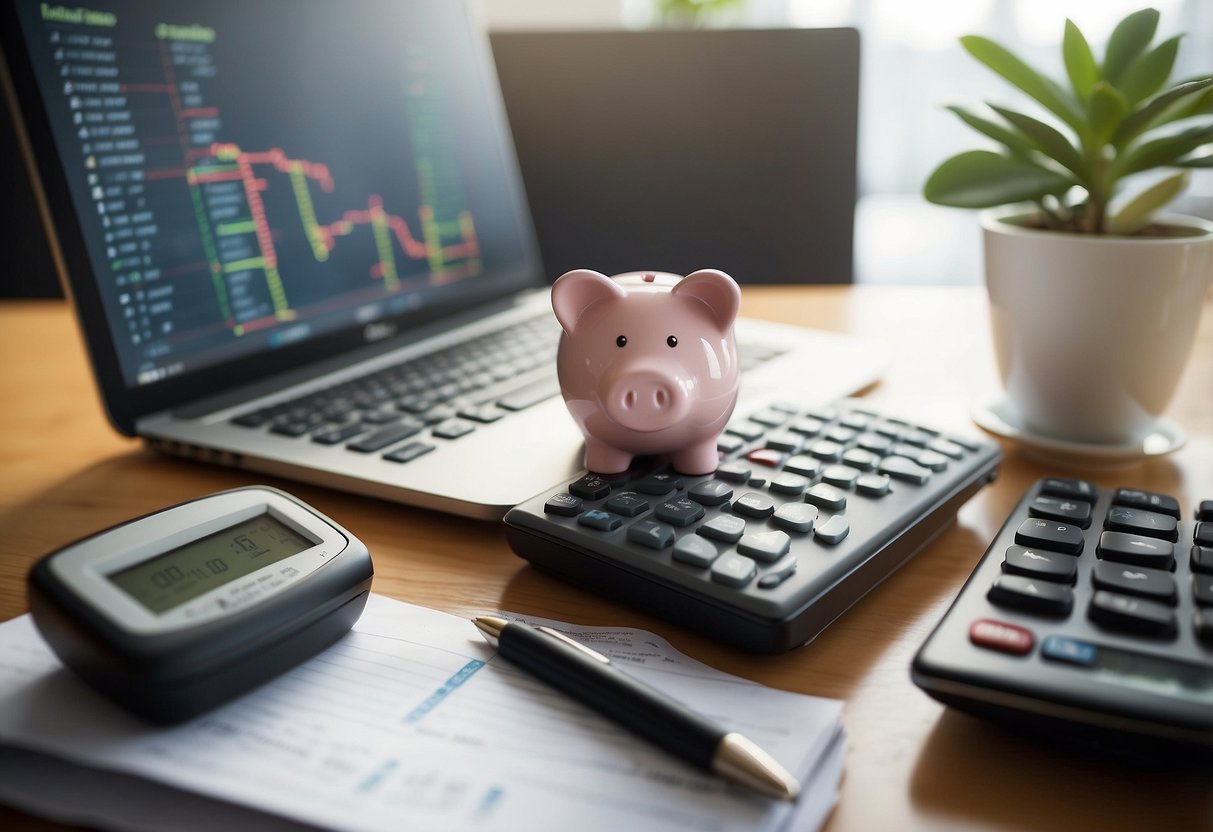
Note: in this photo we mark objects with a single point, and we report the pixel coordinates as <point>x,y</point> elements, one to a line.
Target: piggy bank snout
<point>646,399</point>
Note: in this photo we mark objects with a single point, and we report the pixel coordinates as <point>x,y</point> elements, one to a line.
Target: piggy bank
<point>648,364</point>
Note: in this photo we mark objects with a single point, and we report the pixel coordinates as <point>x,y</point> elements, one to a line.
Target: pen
<point>590,678</point>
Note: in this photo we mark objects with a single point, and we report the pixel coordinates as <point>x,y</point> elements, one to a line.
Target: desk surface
<point>910,763</point>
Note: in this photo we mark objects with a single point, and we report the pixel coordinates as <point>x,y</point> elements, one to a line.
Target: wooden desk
<point>910,763</point>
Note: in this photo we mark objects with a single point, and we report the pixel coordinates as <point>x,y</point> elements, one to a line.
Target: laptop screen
<point>252,177</point>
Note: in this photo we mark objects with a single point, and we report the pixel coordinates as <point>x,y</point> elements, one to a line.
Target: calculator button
<point>861,459</point>
<point>1204,534</point>
<point>789,483</point>
<point>590,487</point>
<point>825,414</point>
<point>1140,521</point>
<point>1049,534</point>
<point>806,466</point>
<point>1077,512</point>
<point>1128,614</point>
<point>874,443</point>
<point>564,505</point>
<point>603,521</point>
<point>917,437</point>
<point>1202,621</point>
<point>695,551</point>
<point>1202,559</point>
<point>1031,595</point>
<point>680,512</point>
<point>778,573</point>
<point>753,504</point>
<point>843,476</point>
<point>658,484</point>
<point>1000,636</point>
<point>825,450</point>
<point>734,471</point>
<point>1148,500</point>
<point>833,530</point>
<point>727,443</point>
<point>784,440</point>
<point>797,517</point>
<point>1069,489</point>
<point>1202,590</point>
<point>1040,563</point>
<point>873,485</point>
<point>767,547</point>
<point>900,468</point>
<point>1137,550</point>
<point>1069,650</point>
<point>946,447</point>
<point>840,434</point>
<point>1136,580</point>
<point>628,504</point>
<point>651,534</point>
<point>770,417</point>
<point>726,527</point>
<point>746,430</point>
<point>767,456</point>
<point>711,492</point>
<point>734,570</point>
<point>807,426</point>
<point>827,497</point>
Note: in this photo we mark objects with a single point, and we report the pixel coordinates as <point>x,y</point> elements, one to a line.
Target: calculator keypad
<point>1115,584</point>
<point>800,500</point>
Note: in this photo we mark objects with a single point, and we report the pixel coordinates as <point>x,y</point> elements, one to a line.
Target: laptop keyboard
<point>438,397</point>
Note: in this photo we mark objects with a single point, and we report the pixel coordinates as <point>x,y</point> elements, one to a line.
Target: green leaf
<point>1106,109</point>
<point>1129,39</point>
<point>1157,110</point>
<point>981,179</point>
<point>1162,151</point>
<point>1146,75</point>
<point>1027,79</point>
<point>1080,63</point>
<point>1047,140</point>
<point>1205,161</point>
<point>1197,105</point>
<point>1138,211</point>
<point>1015,142</point>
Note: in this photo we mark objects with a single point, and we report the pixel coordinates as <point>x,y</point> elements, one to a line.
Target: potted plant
<point>1094,295</point>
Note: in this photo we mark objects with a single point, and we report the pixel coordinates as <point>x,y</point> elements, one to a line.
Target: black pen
<point>590,678</point>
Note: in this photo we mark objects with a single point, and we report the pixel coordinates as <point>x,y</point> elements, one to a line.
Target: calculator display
<point>182,574</point>
<point>1158,675</point>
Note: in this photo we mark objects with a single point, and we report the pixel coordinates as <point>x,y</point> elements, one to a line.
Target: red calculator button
<point>1000,636</point>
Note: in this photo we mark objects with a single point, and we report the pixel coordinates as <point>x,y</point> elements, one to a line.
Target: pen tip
<point>490,626</point>
<point>740,760</point>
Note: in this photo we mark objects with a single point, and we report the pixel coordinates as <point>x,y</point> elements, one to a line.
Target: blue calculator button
<point>1069,650</point>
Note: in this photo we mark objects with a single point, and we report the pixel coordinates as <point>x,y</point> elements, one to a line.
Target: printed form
<point>410,721</point>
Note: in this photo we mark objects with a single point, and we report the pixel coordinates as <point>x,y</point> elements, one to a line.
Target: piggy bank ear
<point>578,290</point>
<point>715,289</point>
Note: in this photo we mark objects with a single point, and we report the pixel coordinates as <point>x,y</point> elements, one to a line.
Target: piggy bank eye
<point>672,341</point>
<point>621,341</point>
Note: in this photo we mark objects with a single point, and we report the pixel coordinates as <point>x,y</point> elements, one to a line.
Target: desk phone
<point>1091,612</point>
<point>808,510</point>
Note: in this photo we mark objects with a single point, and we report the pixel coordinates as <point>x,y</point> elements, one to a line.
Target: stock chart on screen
<point>260,173</point>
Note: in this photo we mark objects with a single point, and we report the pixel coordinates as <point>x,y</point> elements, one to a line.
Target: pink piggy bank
<point>648,364</point>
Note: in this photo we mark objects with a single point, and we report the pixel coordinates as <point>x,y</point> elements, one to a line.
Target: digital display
<point>182,574</point>
<point>1156,675</point>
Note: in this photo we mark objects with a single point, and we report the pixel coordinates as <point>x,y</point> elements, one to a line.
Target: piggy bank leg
<point>601,458</point>
<point>697,459</point>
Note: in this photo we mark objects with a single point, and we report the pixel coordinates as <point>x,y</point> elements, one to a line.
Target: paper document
<point>411,721</point>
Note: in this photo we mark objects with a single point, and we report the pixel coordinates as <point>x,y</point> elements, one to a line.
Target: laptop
<point>297,242</point>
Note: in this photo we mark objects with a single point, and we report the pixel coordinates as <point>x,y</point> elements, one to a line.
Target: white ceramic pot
<point>1092,333</point>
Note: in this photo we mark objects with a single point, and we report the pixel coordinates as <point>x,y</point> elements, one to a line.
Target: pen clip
<point>559,635</point>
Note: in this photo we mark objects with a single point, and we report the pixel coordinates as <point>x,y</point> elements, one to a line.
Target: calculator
<point>809,509</point>
<point>1090,614</point>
